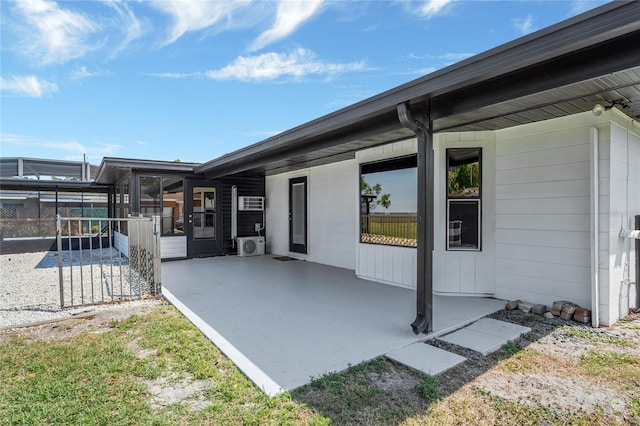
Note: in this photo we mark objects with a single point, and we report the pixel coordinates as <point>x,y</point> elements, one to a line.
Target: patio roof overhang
<point>113,170</point>
<point>560,70</point>
<point>52,185</point>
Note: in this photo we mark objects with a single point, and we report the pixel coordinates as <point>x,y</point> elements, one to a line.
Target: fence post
<point>59,247</point>
<point>156,288</point>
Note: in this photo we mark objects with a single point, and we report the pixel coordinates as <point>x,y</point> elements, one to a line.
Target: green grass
<point>429,389</point>
<point>511,348</point>
<point>354,397</point>
<point>596,337</point>
<point>391,226</point>
<point>612,366</point>
<point>95,378</point>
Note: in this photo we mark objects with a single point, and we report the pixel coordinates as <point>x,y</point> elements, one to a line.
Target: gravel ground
<point>30,291</point>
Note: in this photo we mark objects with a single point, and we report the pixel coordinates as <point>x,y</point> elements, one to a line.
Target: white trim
<point>595,227</point>
<point>252,371</point>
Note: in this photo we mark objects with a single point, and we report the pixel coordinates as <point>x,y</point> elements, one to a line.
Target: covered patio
<point>286,322</point>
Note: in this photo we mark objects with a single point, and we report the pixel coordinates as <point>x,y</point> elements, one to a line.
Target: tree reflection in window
<point>464,195</point>
<point>388,207</point>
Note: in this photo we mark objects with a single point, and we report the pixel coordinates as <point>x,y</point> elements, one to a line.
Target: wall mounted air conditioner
<point>250,246</point>
<point>251,204</point>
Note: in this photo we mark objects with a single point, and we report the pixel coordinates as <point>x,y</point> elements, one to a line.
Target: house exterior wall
<point>543,211</point>
<point>464,272</point>
<point>536,215</point>
<point>331,203</point>
<point>620,202</point>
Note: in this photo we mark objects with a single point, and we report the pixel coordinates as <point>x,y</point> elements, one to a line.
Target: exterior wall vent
<point>251,204</point>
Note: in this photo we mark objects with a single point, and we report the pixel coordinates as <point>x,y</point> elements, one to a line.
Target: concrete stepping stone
<point>426,358</point>
<point>486,335</point>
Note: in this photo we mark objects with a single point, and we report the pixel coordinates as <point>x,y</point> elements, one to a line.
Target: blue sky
<point>193,80</point>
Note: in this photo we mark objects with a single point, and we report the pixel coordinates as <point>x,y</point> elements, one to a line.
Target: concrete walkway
<point>284,323</point>
<point>486,335</point>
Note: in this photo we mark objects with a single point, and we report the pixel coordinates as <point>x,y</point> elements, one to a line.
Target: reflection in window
<point>204,212</point>
<point>464,197</point>
<point>172,206</point>
<point>388,207</point>
<point>163,196</point>
<point>150,202</point>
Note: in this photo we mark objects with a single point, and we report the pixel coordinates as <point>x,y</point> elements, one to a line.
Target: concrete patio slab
<point>426,358</point>
<point>486,335</point>
<point>284,323</point>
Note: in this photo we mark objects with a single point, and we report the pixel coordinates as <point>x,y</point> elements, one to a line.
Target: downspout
<point>595,228</point>
<point>424,295</point>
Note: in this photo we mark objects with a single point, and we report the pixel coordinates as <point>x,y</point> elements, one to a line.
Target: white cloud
<point>133,28</point>
<point>27,85</point>
<point>195,15</point>
<point>290,15</point>
<point>580,6</point>
<point>54,35</point>
<point>74,148</point>
<point>175,75</point>
<point>523,25</point>
<point>83,72</point>
<point>450,57</point>
<point>271,66</point>
<point>432,7</point>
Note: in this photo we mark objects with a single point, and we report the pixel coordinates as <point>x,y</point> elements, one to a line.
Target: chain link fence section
<point>107,260</point>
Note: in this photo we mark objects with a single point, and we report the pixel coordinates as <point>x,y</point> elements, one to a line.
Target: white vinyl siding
<point>542,212</point>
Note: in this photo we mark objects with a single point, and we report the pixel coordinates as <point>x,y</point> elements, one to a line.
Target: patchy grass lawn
<point>156,368</point>
<point>146,369</point>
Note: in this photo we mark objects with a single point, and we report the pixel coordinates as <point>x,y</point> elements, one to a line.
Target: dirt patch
<point>86,319</point>
<point>546,372</point>
<point>186,390</point>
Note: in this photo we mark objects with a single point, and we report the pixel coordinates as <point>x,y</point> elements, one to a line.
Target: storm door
<point>202,219</point>
<point>298,215</point>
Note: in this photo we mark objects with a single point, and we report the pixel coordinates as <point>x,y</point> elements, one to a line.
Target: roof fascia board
<point>593,27</point>
<point>146,165</point>
<point>36,185</point>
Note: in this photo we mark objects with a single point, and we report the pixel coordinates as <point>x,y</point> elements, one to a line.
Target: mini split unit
<point>250,246</point>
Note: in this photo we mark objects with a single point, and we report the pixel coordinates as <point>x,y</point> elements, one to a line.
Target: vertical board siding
<point>247,186</point>
<point>387,264</point>
<point>543,213</point>
<point>173,247</point>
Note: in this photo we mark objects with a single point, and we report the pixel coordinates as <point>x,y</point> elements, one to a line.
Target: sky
<point>191,80</point>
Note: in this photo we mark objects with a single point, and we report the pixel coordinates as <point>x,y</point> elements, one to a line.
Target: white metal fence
<point>93,270</point>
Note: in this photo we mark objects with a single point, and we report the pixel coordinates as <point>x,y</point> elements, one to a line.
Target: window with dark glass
<point>464,198</point>
<point>388,206</point>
